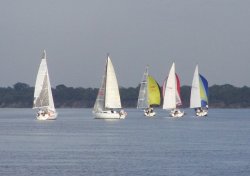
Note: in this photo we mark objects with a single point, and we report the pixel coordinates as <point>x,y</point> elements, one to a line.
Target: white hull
<point>46,116</point>
<point>150,114</point>
<point>109,115</point>
<point>201,113</point>
<point>176,113</point>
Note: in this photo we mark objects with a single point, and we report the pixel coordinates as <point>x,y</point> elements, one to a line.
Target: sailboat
<point>43,100</point>
<point>108,102</point>
<point>199,94</point>
<point>171,94</point>
<point>149,94</point>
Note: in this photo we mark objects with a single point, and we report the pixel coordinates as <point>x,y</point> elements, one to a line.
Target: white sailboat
<point>199,94</point>
<point>172,94</point>
<point>43,100</point>
<point>149,94</point>
<point>108,102</point>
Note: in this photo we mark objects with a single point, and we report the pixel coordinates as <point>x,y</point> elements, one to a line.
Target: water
<point>76,144</point>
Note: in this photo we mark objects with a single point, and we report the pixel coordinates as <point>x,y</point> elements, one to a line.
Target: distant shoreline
<point>21,96</point>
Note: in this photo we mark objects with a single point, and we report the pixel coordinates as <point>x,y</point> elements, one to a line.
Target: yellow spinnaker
<point>154,97</point>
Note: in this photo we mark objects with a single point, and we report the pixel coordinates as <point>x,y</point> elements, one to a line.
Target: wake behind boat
<point>149,94</point>
<point>199,94</point>
<point>108,102</point>
<point>43,100</point>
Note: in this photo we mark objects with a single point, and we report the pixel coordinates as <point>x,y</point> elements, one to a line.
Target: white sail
<point>195,99</point>
<point>143,93</point>
<point>43,94</point>
<point>112,95</point>
<point>99,103</point>
<point>108,98</point>
<point>169,101</point>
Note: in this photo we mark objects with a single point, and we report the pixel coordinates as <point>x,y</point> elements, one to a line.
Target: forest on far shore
<point>21,96</point>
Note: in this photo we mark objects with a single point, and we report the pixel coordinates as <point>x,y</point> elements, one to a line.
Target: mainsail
<point>43,94</point>
<point>99,103</point>
<point>143,93</point>
<point>43,99</point>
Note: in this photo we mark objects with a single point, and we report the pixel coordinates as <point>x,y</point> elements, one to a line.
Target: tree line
<point>21,96</point>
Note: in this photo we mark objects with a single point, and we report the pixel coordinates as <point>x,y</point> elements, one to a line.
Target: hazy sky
<point>77,35</point>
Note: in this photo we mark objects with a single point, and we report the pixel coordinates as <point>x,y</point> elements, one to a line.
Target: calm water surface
<point>77,144</point>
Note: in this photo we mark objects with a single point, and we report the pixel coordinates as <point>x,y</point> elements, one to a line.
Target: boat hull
<point>202,113</point>
<point>150,114</point>
<point>46,116</point>
<point>109,115</point>
<point>176,113</point>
